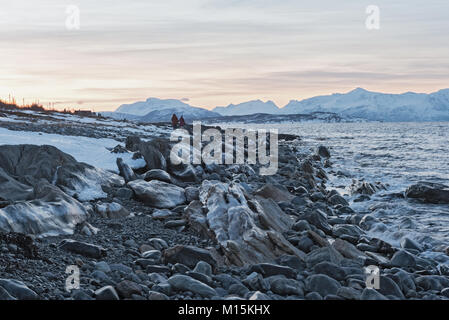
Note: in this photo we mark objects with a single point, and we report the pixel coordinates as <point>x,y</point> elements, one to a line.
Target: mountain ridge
<point>357,103</point>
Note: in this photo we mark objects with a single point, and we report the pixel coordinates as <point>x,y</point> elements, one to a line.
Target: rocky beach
<point>138,227</point>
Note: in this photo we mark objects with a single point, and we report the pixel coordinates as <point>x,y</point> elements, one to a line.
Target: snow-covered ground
<point>89,150</point>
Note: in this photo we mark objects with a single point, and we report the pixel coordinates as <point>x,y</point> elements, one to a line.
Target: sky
<point>216,52</point>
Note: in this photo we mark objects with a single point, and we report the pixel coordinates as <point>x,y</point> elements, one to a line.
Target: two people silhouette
<point>175,121</point>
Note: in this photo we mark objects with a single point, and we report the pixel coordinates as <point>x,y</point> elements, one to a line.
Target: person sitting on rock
<point>181,122</point>
<point>174,121</point>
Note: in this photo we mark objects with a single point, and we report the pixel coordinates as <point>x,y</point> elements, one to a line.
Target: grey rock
<point>301,225</point>
<point>157,174</point>
<point>268,269</point>
<point>347,229</point>
<point>318,219</point>
<point>349,293</point>
<point>323,152</point>
<point>111,210</point>
<point>293,262</point>
<point>157,269</point>
<point>120,268</point>
<point>124,193</point>
<point>322,284</point>
<point>83,248</point>
<point>372,294</point>
<point>192,193</point>
<point>330,269</point>
<point>204,268</point>
<point>82,295</point>
<point>403,259</point>
<point>408,243</point>
<point>388,287</point>
<point>238,289</point>
<point>125,170</point>
<point>429,192</point>
<point>337,199</point>
<point>152,254</point>
<point>313,296</point>
<point>4,295</point>
<point>284,287</point>
<point>127,288</point>
<point>18,289</point>
<point>106,293</point>
<point>323,254</point>
<point>158,244</point>
<point>188,255</point>
<point>154,295</point>
<point>226,280</point>
<point>259,296</point>
<point>186,283</point>
<point>158,194</point>
<point>430,282</point>
<point>256,282</point>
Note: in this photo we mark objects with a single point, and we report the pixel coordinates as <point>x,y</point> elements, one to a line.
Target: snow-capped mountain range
<point>358,103</point>
<point>250,107</point>
<point>159,110</point>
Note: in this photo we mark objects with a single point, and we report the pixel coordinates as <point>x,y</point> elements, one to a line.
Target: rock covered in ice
<point>52,212</point>
<point>249,231</point>
<point>41,186</point>
<point>157,193</point>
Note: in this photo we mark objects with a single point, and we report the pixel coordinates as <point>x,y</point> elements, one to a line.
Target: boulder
<point>269,269</point>
<point>372,294</point>
<point>403,259</point>
<point>429,192</point>
<point>259,296</point>
<point>186,283</point>
<point>249,232</point>
<point>106,293</point>
<point>337,199</point>
<point>41,185</point>
<point>127,288</point>
<point>323,152</point>
<point>430,282</point>
<point>157,193</point>
<point>319,219</point>
<point>111,210</point>
<point>192,193</point>
<point>366,188</point>
<point>286,287</point>
<point>196,219</point>
<point>52,212</point>
<point>17,290</point>
<point>153,157</point>
<point>408,243</point>
<point>348,250</point>
<point>125,170</point>
<point>388,287</point>
<point>330,269</point>
<point>83,248</point>
<point>274,192</point>
<point>157,174</point>
<point>328,254</point>
<point>322,284</point>
<point>188,255</point>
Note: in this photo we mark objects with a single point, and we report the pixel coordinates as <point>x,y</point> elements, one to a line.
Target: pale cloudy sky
<point>216,52</point>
